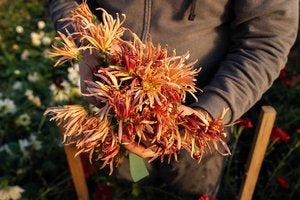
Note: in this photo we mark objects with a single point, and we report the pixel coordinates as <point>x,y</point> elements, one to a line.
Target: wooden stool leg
<point>77,171</point>
<point>258,150</point>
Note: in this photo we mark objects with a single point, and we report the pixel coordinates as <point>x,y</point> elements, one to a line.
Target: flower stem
<point>279,166</point>
<point>270,147</point>
<point>236,133</point>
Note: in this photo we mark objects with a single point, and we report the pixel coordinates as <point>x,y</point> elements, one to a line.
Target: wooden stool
<point>77,172</point>
<point>256,157</point>
<point>258,150</point>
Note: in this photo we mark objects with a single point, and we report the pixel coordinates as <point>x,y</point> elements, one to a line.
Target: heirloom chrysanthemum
<point>101,36</point>
<point>140,88</point>
<point>68,51</point>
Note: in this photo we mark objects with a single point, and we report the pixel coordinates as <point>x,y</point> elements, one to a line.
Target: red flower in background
<point>206,197</point>
<point>104,192</point>
<point>298,130</point>
<point>285,81</point>
<point>278,134</point>
<point>288,81</point>
<point>282,182</point>
<point>246,122</point>
<point>282,74</point>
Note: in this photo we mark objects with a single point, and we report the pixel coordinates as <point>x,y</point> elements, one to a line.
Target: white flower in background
<point>46,53</point>
<point>37,101</point>
<point>35,39</point>
<point>7,106</point>
<point>66,86</point>
<point>34,77</point>
<point>46,40</point>
<point>20,171</point>
<point>58,94</point>
<point>41,24</point>
<point>23,120</point>
<point>34,99</point>
<point>6,149</point>
<point>17,85</point>
<point>25,54</point>
<point>29,94</point>
<point>69,90</point>
<point>66,90</point>
<point>23,144</point>
<point>15,46</point>
<point>17,72</point>
<point>41,34</point>
<point>73,75</point>
<point>75,91</point>
<point>36,42</point>
<point>19,29</point>
<point>93,108</point>
<point>11,193</point>
<point>36,144</point>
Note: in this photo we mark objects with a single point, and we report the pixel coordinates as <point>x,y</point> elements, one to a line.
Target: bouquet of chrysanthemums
<point>140,87</point>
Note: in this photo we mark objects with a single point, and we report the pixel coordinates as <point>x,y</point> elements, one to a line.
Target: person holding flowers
<point>241,47</point>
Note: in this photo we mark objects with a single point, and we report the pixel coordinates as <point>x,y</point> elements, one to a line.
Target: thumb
<point>139,150</point>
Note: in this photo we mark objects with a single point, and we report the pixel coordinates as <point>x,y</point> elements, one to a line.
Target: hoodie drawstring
<point>192,12</point>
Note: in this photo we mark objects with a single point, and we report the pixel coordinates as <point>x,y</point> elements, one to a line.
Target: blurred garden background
<point>32,160</point>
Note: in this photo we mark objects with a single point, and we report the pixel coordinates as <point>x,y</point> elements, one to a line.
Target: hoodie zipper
<point>147,19</point>
<point>192,12</point>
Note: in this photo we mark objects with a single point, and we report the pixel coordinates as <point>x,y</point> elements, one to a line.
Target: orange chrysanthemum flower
<point>140,87</point>
<point>68,52</point>
<point>102,36</point>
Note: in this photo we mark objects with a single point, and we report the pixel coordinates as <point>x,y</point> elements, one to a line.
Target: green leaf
<point>4,183</point>
<point>138,168</point>
<point>136,190</point>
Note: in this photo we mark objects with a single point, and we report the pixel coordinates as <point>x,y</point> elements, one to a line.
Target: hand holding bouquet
<point>138,88</point>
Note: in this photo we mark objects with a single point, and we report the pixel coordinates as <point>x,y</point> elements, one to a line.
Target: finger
<point>189,111</point>
<point>86,74</point>
<point>86,69</point>
<point>139,150</point>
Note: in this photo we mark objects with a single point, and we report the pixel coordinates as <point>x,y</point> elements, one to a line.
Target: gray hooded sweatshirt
<point>241,45</point>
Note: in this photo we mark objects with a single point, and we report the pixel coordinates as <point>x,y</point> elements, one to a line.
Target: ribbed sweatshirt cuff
<point>214,104</point>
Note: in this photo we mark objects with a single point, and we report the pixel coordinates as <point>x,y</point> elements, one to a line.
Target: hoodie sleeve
<point>60,9</point>
<point>262,34</point>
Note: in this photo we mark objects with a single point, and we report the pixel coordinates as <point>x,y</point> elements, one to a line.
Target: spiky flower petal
<point>68,51</point>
